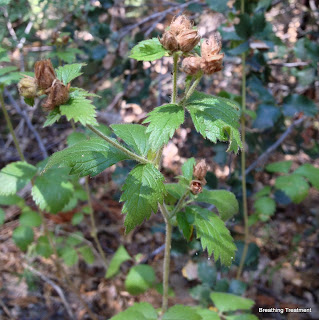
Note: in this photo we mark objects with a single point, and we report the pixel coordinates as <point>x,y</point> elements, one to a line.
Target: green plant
<point>144,190</point>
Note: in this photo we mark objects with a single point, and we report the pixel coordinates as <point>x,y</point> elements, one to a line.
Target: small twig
<point>6,310</point>
<point>58,289</point>
<point>153,254</point>
<point>263,158</point>
<point>290,64</point>
<point>28,122</point>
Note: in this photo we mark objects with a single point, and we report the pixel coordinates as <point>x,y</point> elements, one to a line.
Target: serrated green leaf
<point>134,135</point>
<point>225,201</point>
<point>87,254</point>
<point>310,172</point>
<point>148,50</point>
<point>80,109</point>
<point>188,168</point>
<point>215,118</point>
<point>280,166</point>
<point>2,216</point>
<point>139,279</point>
<point>22,237</point>
<point>10,78</point>
<point>89,157</point>
<point>139,311</point>
<point>52,117</point>
<point>294,186</point>
<point>229,302</point>
<point>214,235</point>
<point>183,225</point>
<point>52,191</point>
<point>69,72</point>
<point>242,317</point>
<point>181,312</point>
<point>30,218</point>
<point>175,190</point>
<point>142,191</point>
<point>120,256</point>
<point>163,121</point>
<point>265,207</point>
<point>69,256</point>
<point>43,247</point>
<point>15,176</point>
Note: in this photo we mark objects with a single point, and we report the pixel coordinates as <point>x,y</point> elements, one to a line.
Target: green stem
<point>9,124</point>
<point>114,143</point>
<point>93,225</point>
<point>167,257</point>
<point>191,89</point>
<point>174,93</point>
<point>243,159</point>
<point>179,204</point>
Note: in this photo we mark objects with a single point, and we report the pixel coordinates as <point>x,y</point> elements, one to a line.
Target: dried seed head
<point>191,65</point>
<point>196,186</point>
<point>58,94</point>
<point>28,87</point>
<point>44,73</point>
<point>187,40</point>
<point>200,170</point>
<point>211,46</point>
<point>179,24</point>
<point>214,64</point>
<point>169,41</point>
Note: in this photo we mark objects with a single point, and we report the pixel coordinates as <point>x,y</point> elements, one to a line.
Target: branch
<point>28,122</point>
<point>58,290</point>
<point>263,158</point>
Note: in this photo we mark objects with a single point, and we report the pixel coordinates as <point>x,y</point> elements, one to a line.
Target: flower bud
<point>196,186</point>
<point>214,64</point>
<point>211,46</point>
<point>179,24</point>
<point>58,94</point>
<point>44,73</point>
<point>28,87</point>
<point>188,39</point>
<point>200,170</point>
<point>169,41</point>
<point>191,65</point>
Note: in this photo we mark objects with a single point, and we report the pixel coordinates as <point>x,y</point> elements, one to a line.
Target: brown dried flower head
<point>188,39</point>
<point>58,94</point>
<point>212,59</point>
<point>191,65</point>
<point>180,24</point>
<point>28,87</point>
<point>200,170</point>
<point>44,73</point>
<point>169,41</point>
<point>196,186</point>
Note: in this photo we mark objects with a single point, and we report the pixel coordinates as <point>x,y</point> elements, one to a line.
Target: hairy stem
<point>167,256</point>
<point>174,91</point>
<point>9,124</point>
<point>191,90</point>
<point>115,144</point>
<point>93,225</point>
<point>243,158</point>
